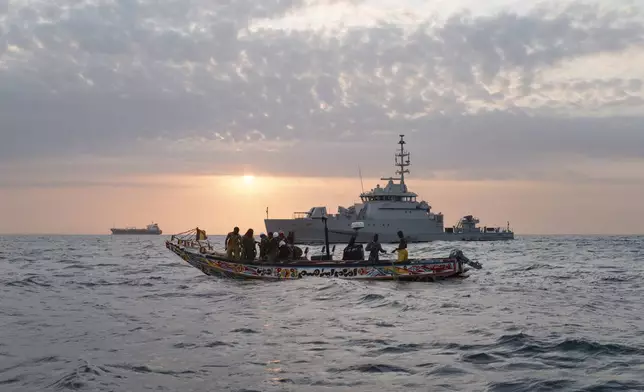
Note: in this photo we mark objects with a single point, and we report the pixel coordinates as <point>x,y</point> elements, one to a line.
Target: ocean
<point>119,313</point>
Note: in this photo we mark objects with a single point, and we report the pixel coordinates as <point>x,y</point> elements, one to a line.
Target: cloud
<point>56,184</point>
<point>142,86</point>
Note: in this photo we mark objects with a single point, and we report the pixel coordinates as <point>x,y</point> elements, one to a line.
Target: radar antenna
<point>400,160</point>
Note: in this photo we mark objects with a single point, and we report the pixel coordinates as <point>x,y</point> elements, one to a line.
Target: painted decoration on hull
<point>410,270</point>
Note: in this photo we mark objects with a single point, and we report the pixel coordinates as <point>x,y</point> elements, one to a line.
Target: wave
<point>544,314</point>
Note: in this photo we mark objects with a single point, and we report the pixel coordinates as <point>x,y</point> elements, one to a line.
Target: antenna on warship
<point>400,160</point>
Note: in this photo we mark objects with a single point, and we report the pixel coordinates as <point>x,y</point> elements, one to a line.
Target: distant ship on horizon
<point>152,229</point>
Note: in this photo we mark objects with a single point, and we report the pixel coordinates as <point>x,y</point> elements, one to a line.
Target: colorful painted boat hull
<point>413,270</point>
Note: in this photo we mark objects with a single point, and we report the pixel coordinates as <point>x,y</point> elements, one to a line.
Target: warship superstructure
<point>385,211</point>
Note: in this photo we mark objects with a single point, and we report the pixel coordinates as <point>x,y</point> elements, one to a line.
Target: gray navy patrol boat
<point>385,211</point>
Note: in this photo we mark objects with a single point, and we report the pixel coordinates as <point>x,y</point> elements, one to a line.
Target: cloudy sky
<point>118,111</point>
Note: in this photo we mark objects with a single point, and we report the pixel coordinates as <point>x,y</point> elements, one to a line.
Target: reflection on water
<point>123,313</point>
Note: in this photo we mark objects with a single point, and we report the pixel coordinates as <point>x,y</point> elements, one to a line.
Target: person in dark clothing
<point>352,241</point>
<point>269,245</point>
<point>273,247</point>
<point>285,251</point>
<point>295,252</point>
<point>353,252</point>
<point>248,246</point>
<point>263,246</point>
<point>402,248</point>
<point>375,248</point>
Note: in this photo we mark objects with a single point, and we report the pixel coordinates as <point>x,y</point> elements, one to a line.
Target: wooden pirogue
<point>194,248</point>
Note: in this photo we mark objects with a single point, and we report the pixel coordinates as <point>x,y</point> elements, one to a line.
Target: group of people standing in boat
<point>272,247</point>
<point>277,246</point>
<point>355,252</point>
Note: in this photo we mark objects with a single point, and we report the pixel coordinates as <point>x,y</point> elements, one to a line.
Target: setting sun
<point>248,179</point>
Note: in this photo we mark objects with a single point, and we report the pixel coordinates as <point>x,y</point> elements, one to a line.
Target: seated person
<point>285,252</point>
<point>297,253</point>
<point>353,252</point>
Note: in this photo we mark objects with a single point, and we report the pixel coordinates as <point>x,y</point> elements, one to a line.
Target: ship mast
<point>401,162</point>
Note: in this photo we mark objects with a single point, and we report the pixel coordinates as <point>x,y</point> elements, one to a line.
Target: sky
<point>123,112</point>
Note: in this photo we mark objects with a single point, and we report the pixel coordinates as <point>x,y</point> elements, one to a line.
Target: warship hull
<point>311,231</point>
<point>385,211</point>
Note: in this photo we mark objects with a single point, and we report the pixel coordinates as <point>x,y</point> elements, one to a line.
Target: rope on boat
<point>393,270</point>
<point>192,231</point>
<point>190,236</point>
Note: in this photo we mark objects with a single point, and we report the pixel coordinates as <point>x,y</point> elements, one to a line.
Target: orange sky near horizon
<point>527,112</point>
<point>216,204</point>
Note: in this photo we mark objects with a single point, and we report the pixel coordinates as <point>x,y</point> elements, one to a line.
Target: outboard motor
<point>458,255</point>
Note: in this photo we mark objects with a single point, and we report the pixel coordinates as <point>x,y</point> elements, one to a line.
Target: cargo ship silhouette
<point>152,228</point>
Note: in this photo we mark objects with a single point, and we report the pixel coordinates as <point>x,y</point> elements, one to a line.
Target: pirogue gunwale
<point>201,256</point>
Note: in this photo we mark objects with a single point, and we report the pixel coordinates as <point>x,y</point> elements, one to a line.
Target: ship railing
<point>499,229</point>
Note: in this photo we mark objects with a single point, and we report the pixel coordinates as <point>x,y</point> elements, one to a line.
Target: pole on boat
<point>326,238</point>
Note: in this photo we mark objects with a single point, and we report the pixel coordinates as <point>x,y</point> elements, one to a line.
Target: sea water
<point>120,313</point>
